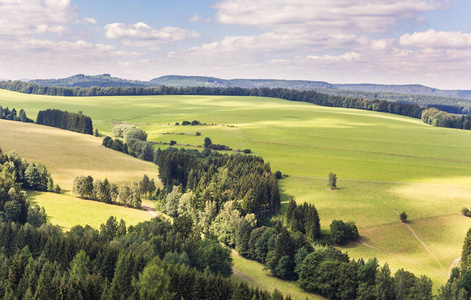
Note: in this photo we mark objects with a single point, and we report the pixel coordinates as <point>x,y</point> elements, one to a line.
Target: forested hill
<point>452,101</point>
<point>192,81</point>
<point>413,89</point>
<point>81,80</point>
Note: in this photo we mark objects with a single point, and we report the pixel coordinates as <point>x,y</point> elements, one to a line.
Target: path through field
<point>418,239</point>
<point>150,210</point>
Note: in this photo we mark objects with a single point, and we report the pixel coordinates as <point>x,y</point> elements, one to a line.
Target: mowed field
<point>385,163</point>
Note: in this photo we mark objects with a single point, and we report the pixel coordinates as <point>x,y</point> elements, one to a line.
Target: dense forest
<point>65,120</point>
<point>152,260</point>
<point>218,178</point>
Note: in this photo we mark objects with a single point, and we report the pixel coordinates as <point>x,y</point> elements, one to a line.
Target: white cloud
<point>142,35</point>
<point>198,18</point>
<point>335,16</point>
<point>91,20</point>
<point>436,39</point>
<point>20,18</point>
<point>338,58</point>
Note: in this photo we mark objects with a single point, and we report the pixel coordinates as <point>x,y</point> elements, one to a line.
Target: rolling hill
<point>385,163</point>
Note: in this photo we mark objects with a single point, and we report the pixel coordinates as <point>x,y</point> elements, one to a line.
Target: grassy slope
<point>66,155</point>
<point>68,211</point>
<point>384,163</point>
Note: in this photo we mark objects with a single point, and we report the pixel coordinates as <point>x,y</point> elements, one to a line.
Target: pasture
<point>385,163</point>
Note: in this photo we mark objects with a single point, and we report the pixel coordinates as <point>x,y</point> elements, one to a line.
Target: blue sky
<point>376,41</point>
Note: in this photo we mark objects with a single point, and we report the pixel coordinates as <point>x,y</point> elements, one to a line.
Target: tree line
<point>436,117</point>
<point>130,140</point>
<point>16,173</point>
<point>405,109</point>
<point>7,114</point>
<point>104,191</point>
<point>65,120</point>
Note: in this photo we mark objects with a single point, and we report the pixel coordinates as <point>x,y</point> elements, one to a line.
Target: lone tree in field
<point>332,180</point>
<point>403,217</point>
<point>207,142</point>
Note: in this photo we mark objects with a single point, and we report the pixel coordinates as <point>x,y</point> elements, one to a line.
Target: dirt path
<point>453,265</point>
<point>150,210</point>
<point>400,257</point>
<point>425,246</point>
<point>246,278</point>
<point>417,238</point>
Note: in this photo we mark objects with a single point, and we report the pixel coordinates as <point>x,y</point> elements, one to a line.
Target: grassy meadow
<point>385,163</point>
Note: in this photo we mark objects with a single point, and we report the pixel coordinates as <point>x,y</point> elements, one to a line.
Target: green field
<point>68,211</point>
<point>385,163</point>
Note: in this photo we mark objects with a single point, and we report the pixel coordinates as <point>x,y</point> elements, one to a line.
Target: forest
<point>152,260</point>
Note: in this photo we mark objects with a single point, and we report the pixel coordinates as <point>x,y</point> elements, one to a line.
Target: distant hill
<point>190,81</point>
<point>453,101</point>
<point>414,89</point>
<point>81,80</point>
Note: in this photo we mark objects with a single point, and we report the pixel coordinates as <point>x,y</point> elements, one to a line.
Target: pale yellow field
<point>68,154</point>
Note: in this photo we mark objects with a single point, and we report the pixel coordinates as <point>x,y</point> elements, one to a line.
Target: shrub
<point>247,151</point>
<point>278,175</point>
<point>403,217</point>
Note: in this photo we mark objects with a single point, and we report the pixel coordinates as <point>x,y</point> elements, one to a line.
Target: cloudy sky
<point>341,41</point>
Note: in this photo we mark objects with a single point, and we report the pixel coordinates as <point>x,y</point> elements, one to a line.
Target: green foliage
<point>210,254</point>
<point>153,282</point>
<point>343,232</point>
<point>207,142</point>
<point>278,175</point>
<point>229,177</point>
<point>465,254</point>
<point>303,218</point>
<point>80,265</point>
<point>128,195</point>
<point>332,180</point>
<point>403,217</point>
<point>65,120</point>
<point>7,114</point>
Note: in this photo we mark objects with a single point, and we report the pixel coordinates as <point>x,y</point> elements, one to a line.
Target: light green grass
<point>384,162</point>
<point>68,211</point>
<point>254,274</point>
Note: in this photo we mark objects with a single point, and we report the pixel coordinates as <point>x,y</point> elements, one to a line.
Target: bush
<point>343,232</point>
<point>278,175</point>
<point>247,151</point>
<point>172,142</point>
<point>465,211</point>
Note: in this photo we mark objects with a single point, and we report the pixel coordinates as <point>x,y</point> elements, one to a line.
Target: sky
<point>342,41</point>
